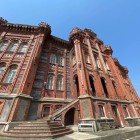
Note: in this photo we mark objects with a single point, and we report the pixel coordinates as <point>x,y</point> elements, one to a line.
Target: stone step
<point>35,131</point>
<point>39,127</point>
<point>32,129</point>
<point>13,135</point>
<point>40,124</point>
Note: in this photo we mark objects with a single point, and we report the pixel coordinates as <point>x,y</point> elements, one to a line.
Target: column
<point>101,57</point>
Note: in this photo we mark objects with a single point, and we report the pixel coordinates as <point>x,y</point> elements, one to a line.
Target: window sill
<point>50,89</point>
<point>52,64</point>
<point>10,52</point>
<point>20,52</point>
<point>60,66</point>
<point>60,90</point>
<point>2,83</point>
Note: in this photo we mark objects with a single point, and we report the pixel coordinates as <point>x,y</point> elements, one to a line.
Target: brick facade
<point>68,81</point>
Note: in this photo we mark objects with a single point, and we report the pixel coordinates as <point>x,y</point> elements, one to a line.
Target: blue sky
<point>116,22</point>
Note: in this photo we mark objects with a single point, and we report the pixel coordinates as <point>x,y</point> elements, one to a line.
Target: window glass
<point>53,59</point>
<point>23,47</point>
<point>101,111</point>
<point>2,67</point>
<point>13,46</point>
<point>59,83</point>
<point>10,74</point>
<point>125,112</point>
<point>3,45</point>
<point>50,81</point>
<point>97,62</point>
<point>60,61</point>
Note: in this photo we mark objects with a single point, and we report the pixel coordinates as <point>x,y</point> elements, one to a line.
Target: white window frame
<point>10,75</point>
<point>73,60</point>
<point>127,112</point>
<point>53,59</point>
<point>13,46</point>
<point>2,67</point>
<point>87,58</point>
<point>50,82</point>
<point>97,61</point>
<point>60,61</point>
<point>23,47</point>
<point>3,45</point>
<point>103,111</point>
<point>59,84</point>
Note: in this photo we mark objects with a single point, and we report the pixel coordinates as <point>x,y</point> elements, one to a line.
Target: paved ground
<point>135,138</point>
<point>117,134</point>
<point>127,133</point>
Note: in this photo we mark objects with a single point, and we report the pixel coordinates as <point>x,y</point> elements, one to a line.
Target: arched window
<point>13,46</point>
<point>53,59</point>
<point>3,45</point>
<point>59,85</point>
<point>73,60</point>
<point>114,85</point>
<point>87,58</point>
<point>97,62</point>
<point>60,61</point>
<point>10,74</point>
<point>106,65</point>
<point>91,80</point>
<point>103,81</point>
<point>2,67</point>
<point>23,47</point>
<point>50,81</point>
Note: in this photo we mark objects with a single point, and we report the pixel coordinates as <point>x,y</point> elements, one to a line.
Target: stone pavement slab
<point>116,134</point>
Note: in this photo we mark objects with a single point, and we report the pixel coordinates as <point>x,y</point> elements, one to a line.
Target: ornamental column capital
<point>76,34</point>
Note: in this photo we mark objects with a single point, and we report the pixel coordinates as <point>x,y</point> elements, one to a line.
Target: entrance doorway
<point>92,85</point>
<point>69,117</point>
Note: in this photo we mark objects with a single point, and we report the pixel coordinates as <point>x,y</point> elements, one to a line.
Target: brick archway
<point>69,117</point>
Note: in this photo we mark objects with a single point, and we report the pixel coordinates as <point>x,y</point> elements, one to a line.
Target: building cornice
<point>41,28</point>
<point>61,41</point>
<point>106,99</point>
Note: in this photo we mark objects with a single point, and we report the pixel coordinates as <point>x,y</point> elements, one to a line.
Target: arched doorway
<point>103,81</point>
<point>69,117</point>
<point>76,84</point>
<point>92,85</point>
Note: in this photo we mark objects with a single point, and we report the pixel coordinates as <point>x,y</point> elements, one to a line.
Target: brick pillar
<point>119,86</point>
<point>85,101</point>
<point>97,82</point>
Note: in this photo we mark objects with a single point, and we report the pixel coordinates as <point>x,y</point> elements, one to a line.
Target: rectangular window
<point>45,111</point>
<point>86,58</point>
<point>101,110</point>
<point>125,112</point>
<point>114,110</point>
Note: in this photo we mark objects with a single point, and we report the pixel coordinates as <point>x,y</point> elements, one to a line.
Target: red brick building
<point>70,81</point>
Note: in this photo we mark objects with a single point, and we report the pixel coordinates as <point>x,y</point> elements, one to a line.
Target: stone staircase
<point>63,108</point>
<point>47,129</point>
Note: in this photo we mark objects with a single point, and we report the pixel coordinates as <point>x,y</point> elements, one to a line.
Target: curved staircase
<point>37,130</point>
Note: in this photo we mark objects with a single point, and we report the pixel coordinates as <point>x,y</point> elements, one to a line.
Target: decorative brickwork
<point>44,76</point>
